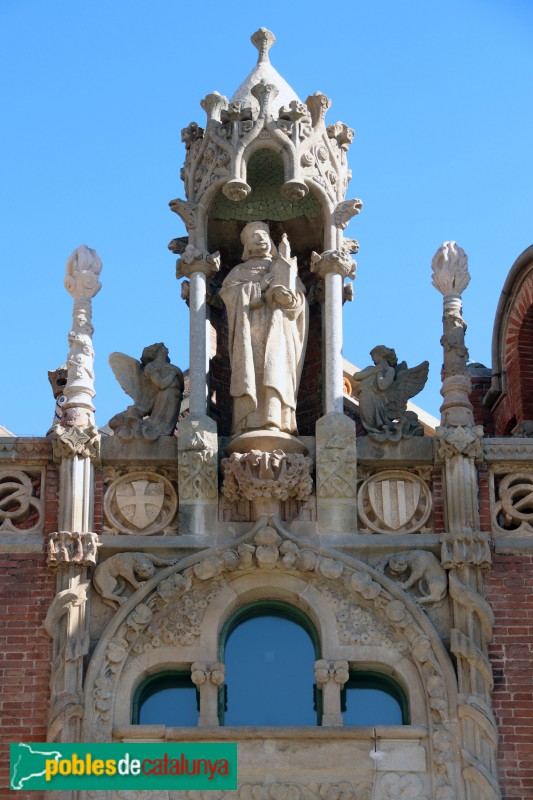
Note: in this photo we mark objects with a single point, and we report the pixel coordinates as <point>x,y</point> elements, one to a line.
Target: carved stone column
<point>330,677</point>
<point>465,549</point>
<point>73,549</point>
<point>333,266</point>
<point>197,265</point>
<point>208,678</point>
<point>67,623</point>
<point>197,474</point>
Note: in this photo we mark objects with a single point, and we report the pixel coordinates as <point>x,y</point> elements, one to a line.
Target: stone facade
<point>408,548</point>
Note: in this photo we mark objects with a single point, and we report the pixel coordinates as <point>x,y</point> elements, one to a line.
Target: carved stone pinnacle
<point>263,39</point>
<point>450,269</point>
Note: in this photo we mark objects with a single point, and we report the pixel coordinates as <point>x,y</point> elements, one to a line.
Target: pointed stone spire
<point>263,72</point>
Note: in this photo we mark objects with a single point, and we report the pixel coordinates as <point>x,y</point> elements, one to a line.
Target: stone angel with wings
<point>383,392</point>
<point>156,387</point>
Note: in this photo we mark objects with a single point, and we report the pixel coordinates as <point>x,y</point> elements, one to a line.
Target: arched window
<point>369,698</point>
<point>168,698</point>
<point>269,650</point>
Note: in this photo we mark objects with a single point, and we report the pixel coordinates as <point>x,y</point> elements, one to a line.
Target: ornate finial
<point>450,269</point>
<point>263,39</point>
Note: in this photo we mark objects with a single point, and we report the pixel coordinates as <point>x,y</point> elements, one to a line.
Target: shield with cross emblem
<point>140,501</point>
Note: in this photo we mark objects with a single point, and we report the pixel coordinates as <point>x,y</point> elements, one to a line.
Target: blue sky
<point>94,96</point>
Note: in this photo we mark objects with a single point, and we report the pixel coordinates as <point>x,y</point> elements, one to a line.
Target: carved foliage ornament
<point>141,502</point>
<point>464,441</point>
<point>21,507</point>
<point>256,474</point>
<point>394,501</point>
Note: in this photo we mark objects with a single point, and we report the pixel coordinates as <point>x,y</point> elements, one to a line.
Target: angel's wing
<point>406,384</point>
<point>128,372</point>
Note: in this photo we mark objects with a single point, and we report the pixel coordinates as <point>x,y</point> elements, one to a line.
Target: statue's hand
<point>282,297</point>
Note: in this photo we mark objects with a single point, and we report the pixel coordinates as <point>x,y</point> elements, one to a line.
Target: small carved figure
<point>524,429</point>
<point>423,570</point>
<point>135,568</point>
<point>267,320</point>
<point>383,394</point>
<point>156,387</point>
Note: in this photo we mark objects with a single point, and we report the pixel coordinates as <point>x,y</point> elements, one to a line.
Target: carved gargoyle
<point>383,391</point>
<point>417,569</point>
<point>156,387</point>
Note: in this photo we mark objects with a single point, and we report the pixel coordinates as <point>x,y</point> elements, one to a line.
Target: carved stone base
<point>266,441</point>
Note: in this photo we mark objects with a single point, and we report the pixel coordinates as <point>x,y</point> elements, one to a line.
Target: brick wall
<point>509,588</point>
<point>26,591</point>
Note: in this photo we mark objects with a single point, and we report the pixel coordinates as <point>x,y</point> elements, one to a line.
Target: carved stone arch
<point>512,383</point>
<point>317,577</point>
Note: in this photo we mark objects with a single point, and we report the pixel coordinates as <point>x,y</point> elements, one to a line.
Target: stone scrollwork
<point>257,474</point>
<point>394,501</point>
<point>21,507</point>
<point>141,502</point>
<point>66,548</point>
<point>513,510</point>
<point>419,570</point>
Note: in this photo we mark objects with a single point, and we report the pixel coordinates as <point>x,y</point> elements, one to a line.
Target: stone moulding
<point>276,554</point>
<point>28,451</point>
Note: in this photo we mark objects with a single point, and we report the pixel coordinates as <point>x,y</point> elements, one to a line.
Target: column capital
<point>66,549</point>
<point>335,671</point>
<point>194,260</point>
<point>202,672</point>
<point>333,262</point>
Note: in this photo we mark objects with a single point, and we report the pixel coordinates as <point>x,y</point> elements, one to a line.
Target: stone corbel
<point>330,677</point>
<point>208,677</point>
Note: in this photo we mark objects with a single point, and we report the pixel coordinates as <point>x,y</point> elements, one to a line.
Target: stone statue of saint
<point>267,321</point>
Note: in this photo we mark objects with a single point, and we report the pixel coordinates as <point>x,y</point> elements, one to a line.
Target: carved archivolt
<point>140,502</point>
<point>394,500</point>
<point>513,510</point>
<point>21,507</point>
<point>184,605</point>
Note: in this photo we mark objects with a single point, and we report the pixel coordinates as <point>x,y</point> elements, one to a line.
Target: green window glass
<point>167,699</point>
<point>269,650</point>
